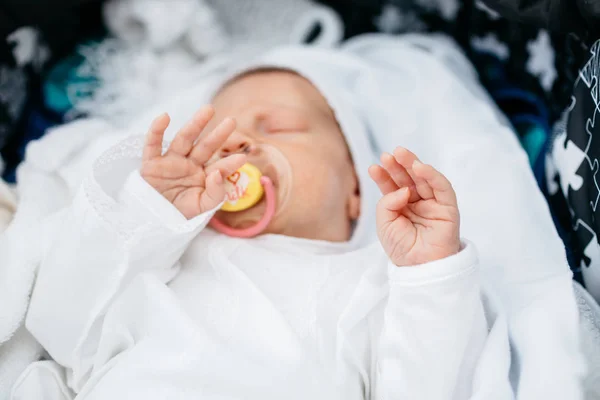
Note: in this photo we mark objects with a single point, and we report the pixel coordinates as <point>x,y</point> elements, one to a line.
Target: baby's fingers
<point>397,172</point>
<point>214,192</point>
<point>391,204</point>
<point>207,146</point>
<point>154,137</point>
<point>406,158</point>
<point>383,179</point>
<point>184,140</point>
<point>228,165</point>
<point>441,186</point>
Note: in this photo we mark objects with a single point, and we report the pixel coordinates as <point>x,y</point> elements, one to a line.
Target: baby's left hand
<point>417,217</point>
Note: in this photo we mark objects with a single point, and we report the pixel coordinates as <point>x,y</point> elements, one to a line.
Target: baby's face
<point>289,132</point>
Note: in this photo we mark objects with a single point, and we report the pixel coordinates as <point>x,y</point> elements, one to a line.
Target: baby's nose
<point>236,143</point>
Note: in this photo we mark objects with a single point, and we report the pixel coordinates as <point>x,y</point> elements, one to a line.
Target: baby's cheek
<point>327,187</point>
<point>318,178</point>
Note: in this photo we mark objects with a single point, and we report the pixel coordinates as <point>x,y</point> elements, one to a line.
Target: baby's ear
<point>354,207</point>
<point>354,202</point>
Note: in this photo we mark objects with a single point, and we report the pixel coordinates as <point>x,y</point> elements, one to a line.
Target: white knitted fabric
<point>272,22</point>
<point>15,356</point>
<point>160,46</point>
<point>161,25</point>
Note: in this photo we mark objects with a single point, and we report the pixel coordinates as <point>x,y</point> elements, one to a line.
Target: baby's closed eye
<point>283,121</point>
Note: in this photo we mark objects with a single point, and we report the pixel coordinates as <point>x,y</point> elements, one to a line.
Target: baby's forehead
<point>269,82</point>
<point>275,87</point>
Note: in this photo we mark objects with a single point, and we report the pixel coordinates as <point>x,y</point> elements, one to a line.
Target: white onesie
<point>271,317</point>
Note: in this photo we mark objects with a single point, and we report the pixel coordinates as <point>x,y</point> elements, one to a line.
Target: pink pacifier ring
<point>261,225</point>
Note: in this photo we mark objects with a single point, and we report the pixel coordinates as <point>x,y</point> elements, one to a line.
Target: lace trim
<point>588,315</point>
<point>106,207</point>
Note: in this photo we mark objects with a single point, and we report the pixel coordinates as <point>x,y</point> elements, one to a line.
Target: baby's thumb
<point>214,192</point>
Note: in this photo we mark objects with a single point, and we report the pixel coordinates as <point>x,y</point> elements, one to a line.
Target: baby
<point>139,298</point>
<point>287,129</point>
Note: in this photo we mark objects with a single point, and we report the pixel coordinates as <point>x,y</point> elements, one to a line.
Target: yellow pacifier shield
<point>243,189</point>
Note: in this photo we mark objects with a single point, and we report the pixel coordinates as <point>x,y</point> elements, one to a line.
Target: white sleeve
<point>92,250</point>
<point>435,333</point>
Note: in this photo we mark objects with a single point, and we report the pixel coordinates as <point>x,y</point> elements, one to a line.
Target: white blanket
<point>48,178</point>
<point>432,105</point>
<point>589,312</point>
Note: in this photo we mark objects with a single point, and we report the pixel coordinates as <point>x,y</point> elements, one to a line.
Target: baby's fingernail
<point>416,162</point>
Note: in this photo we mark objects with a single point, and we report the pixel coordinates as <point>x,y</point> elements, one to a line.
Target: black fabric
<point>574,171</point>
<point>517,38</point>
<point>34,34</point>
<point>471,23</point>
<point>574,26</point>
<point>62,23</point>
<point>358,15</point>
<point>14,83</point>
<point>572,168</point>
<point>590,10</point>
<point>562,16</point>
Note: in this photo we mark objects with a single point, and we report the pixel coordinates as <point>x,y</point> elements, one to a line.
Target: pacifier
<point>243,190</point>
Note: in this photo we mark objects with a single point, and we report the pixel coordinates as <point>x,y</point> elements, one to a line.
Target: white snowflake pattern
<point>541,60</point>
<point>393,20</point>
<point>494,15</point>
<point>566,159</point>
<point>28,47</point>
<point>490,44</point>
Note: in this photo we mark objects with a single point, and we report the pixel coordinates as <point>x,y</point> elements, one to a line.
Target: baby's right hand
<point>181,174</point>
